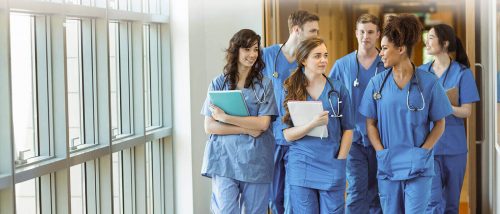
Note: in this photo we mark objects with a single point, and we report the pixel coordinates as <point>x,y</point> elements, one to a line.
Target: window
<point>78,189</point>
<point>120,80</point>
<point>152,76</point>
<point>24,86</point>
<point>27,199</point>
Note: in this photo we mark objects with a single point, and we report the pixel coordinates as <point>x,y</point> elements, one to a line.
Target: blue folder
<point>231,102</point>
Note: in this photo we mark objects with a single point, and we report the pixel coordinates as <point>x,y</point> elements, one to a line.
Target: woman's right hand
<point>320,120</point>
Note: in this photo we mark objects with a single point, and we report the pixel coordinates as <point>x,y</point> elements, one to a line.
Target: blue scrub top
<point>402,131</point>
<point>453,141</point>
<point>284,69</point>
<point>240,156</point>
<point>312,161</point>
<point>345,70</point>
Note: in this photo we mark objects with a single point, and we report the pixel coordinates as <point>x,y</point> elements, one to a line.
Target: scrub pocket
<point>339,174</point>
<point>383,164</point>
<point>421,162</point>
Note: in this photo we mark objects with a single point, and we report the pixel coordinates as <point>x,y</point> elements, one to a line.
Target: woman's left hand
<point>217,113</point>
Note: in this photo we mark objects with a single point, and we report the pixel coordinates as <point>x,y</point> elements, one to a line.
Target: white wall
<point>200,31</point>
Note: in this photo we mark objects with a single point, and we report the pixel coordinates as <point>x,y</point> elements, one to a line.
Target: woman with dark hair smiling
<point>450,152</point>
<point>239,152</point>
<point>400,104</point>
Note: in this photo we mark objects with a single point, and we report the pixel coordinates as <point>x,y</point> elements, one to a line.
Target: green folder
<point>231,102</point>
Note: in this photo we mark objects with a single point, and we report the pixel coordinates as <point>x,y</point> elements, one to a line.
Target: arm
<point>462,111</point>
<point>214,127</point>
<point>345,144</point>
<point>250,122</point>
<point>435,134</point>
<point>298,132</point>
<point>373,134</point>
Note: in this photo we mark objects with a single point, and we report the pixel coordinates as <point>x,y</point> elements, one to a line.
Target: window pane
<point>26,197</point>
<point>114,79</point>
<point>147,77</point>
<point>77,179</point>
<point>23,80</point>
<point>74,75</point>
<point>149,178</point>
<point>117,183</point>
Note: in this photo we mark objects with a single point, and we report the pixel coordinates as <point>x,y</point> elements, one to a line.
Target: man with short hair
<point>355,70</point>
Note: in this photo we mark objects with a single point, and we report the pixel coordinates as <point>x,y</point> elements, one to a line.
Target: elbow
<point>287,136</point>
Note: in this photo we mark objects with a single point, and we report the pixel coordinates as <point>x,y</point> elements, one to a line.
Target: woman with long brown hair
<point>239,152</point>
<point>316,166</point>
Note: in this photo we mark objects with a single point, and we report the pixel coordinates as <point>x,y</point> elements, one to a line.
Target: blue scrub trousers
<point>279,191</point>
<point>447,184</point>
<point>406,196</point>
<point>234,197</point>
<point>313,201</point>
<point>361,174</point>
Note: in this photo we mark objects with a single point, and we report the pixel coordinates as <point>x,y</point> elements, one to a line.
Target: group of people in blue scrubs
<point>393,135</point>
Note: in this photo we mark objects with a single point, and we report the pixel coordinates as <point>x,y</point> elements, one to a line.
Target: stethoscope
<point>356,81</point>
<point>331,93</point>
<point>259,100</point>
<point>446,72</point>
<point>378,94</point>
<point>275,73</point>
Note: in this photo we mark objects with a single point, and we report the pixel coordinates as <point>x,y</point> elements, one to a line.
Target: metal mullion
<point>90,191</point>
<point>166,77</point>
<point>137,79</point>
<point>46,193</point>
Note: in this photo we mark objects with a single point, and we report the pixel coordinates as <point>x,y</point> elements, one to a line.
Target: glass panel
<point>73,2</point>
<point>77,179</point>
<point>27,198</point>
<point>113,4</point>
<point>24,85</point>
<point>145,6</point>
<point>114,64</point>
<point>117,183</point>
<point>149,178</point>
<point>75,84</point>
<point>147,76</point>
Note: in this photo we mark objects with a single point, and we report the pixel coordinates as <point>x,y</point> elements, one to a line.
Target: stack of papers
<point>303,112</point>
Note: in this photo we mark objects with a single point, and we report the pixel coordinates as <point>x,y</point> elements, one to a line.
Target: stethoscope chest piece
<point>275,74</point>
<point>377,96</point>
<point>356,83</point>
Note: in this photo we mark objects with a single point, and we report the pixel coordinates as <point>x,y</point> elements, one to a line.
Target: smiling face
<point>248,56</point>
<point>367,35</point>
<point>432,45</point>
<point>390,54</point>
<point>317,60</point>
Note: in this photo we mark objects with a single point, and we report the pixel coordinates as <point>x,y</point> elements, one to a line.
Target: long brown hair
<point>296,84</point>
<point>244,38</point>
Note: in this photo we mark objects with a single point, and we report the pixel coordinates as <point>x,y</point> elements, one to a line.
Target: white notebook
<point>302,112</point>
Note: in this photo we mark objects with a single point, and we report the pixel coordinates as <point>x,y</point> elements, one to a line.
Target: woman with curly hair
<point>316,166</point>
<point>239,152</point>
<point>400,104</point>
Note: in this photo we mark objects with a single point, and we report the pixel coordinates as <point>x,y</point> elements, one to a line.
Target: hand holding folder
<point>452,94</point>
<point>303,112</point>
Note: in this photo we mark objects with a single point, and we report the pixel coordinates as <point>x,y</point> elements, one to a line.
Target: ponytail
<point>461,55</point>
<point>296,86</point>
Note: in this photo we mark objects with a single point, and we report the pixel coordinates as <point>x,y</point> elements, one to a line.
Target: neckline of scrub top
<point>405,86</point>
<point>310,98</point>
<point>283,57</point>
<point>446,71</point>
<point>374,62</point>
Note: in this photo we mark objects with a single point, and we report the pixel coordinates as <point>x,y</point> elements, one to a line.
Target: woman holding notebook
<point>239,152</point>
<point>316,165</point>
<point>450,153</point>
